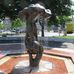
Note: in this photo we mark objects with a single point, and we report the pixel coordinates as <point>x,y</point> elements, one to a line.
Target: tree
<point>57,7</point>
<point>61,23</point>
<point>2,26</point>
<point>12,7</point>
<point>16,23</point>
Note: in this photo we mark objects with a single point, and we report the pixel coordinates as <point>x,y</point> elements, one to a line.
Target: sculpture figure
<point>31,14</point>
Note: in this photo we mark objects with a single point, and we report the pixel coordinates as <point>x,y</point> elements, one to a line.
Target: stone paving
<point>58,47</point>
<point>61,63</point>
<point>24,65</point>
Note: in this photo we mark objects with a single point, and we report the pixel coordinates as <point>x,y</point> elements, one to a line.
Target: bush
<point>2,26</point>
<point>16,23</point>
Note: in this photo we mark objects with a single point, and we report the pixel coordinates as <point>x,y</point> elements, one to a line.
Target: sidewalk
<point>50,42</point>
<point>51,33</point>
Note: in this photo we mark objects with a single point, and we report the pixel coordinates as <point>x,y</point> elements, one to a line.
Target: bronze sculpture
<point>31,14</point>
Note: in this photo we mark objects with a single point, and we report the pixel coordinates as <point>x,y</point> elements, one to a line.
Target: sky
<point>73,0</point>
<point>72,6</point>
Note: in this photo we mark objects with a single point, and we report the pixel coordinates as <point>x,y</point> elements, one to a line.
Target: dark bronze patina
<point>31,14</point>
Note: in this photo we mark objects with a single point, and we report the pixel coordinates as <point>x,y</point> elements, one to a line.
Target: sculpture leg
<point>38,57</point>
<point>34,62</point>
<point>30,60</point>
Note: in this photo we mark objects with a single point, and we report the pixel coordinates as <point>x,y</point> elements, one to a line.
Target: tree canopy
<point>12,7</point>
<point>58,7</point>
<point>2,26</point>
<point>16,23</point>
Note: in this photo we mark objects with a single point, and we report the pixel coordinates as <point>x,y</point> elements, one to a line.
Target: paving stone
<point>1,72</point>
<point>23,67</point>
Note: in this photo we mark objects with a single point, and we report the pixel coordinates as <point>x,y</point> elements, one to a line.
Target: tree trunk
<point>42,31</point>
<point>65,31</point>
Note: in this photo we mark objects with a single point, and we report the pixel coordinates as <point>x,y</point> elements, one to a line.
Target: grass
<point>67,37</point>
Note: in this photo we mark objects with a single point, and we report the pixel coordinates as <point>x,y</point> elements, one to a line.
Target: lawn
<point>67,37</point>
